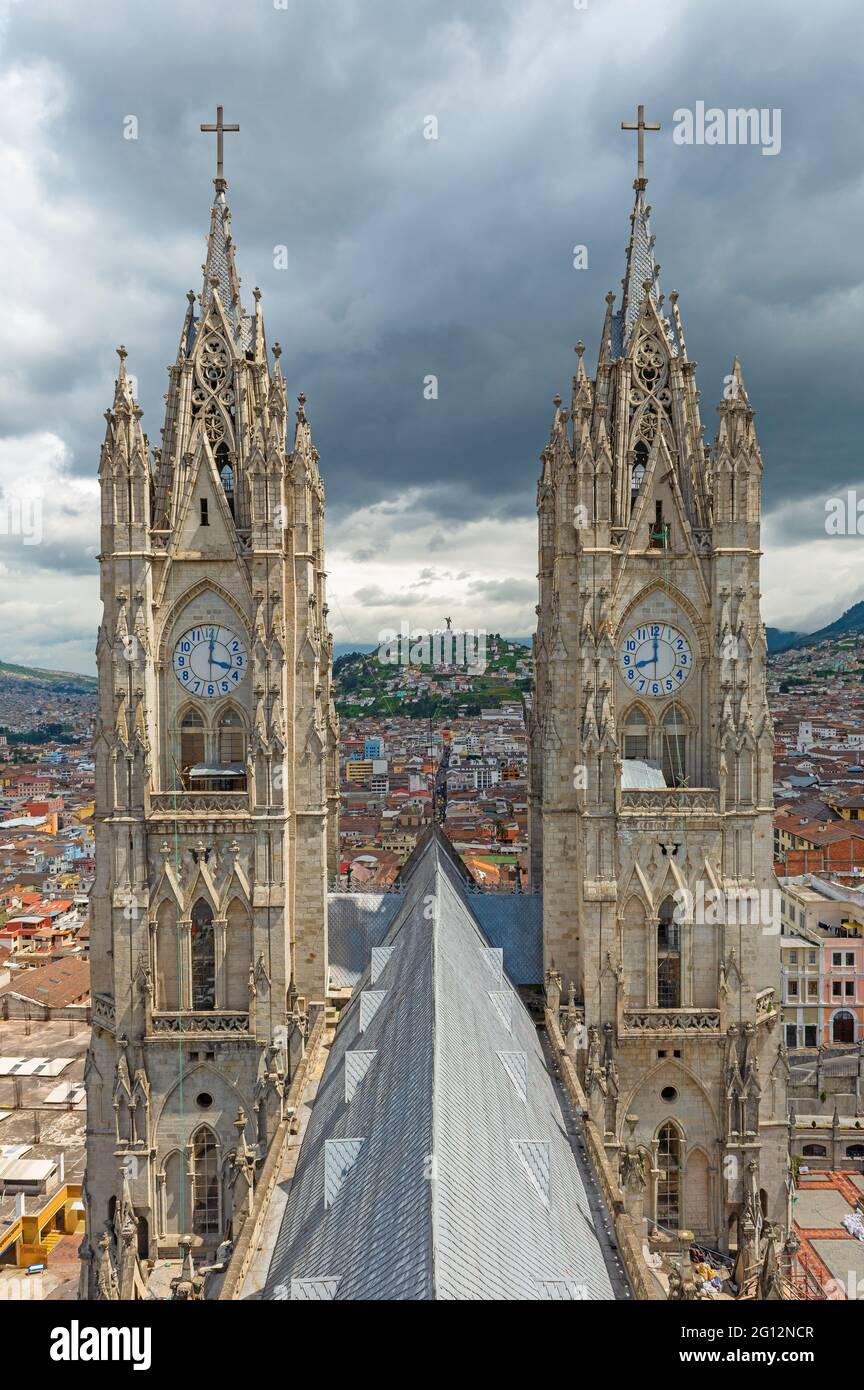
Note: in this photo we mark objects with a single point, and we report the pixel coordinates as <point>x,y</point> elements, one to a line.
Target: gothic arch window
<point>231,739</point>
<point>229,749</point>
<point>317,527</point>
<point>238,956</point>
<point>668,958</point>
<point>227,1173</point>
<point>174,1200</point>
<point>697,1188</point>
<point>640,463</point>
<point>192,745</point>
<point>673,749</point>
<point>225,469</point>
<point>637,733</point>
<point>567,497</point>
<point>203,945</point>
<point>206,1203</point>
<point>814,1151</point>
<point>168,965</point>
<point>635,926</point>
<point>669,1177</point>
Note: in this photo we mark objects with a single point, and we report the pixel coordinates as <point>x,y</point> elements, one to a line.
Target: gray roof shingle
<point>465,1185</point>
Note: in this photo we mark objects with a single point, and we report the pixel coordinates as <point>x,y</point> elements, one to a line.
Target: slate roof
<point>359,921</point>
<point>448,1172</point>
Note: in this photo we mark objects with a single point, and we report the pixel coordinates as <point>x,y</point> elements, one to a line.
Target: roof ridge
<point>436,1063</point>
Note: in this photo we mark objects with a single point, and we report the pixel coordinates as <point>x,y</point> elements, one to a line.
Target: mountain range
<point>851,621</point>
<point>779,640</point>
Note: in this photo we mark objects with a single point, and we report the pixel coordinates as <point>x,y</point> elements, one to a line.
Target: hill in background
<point>62,682</point>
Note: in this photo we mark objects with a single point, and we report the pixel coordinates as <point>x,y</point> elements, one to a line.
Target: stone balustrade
<point>213,1021</point>
<point>670,801</point>
<point>663,1021</point>
<point>183,803</point>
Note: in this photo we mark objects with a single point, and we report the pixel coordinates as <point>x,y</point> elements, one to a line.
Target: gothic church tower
<point>217,785</point>
<point>651,770</point>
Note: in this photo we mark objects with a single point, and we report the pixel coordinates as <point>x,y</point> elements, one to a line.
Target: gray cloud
<point>410,257</point>
<point>372,596</point>
<point>503,590</point>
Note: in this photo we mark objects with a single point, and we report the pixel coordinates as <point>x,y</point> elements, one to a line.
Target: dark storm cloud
<point>410,258</point>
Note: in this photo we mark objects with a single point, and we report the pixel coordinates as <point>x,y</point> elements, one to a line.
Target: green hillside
<point>64,681</point>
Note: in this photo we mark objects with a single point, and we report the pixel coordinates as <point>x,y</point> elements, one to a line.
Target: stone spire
<point>641,278</point>
<point>124,457</point>
<point>220,270</point>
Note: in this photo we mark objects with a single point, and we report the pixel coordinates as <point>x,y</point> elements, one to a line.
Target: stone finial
<point>554,983</point>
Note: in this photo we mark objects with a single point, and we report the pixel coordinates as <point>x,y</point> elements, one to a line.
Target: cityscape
<point>399,773</point>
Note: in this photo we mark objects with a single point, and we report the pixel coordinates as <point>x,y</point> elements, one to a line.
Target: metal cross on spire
<point>219,129</point>
<point>641,125</point>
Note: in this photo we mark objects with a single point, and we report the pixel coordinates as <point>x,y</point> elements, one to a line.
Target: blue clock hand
<point>226,665</point>
<point>643,663</point>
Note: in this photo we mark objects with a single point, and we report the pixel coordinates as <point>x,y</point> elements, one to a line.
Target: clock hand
<point>226,665</point>
<point>643,663</point>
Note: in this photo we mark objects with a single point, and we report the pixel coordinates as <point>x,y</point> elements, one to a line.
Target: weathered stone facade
<point>217,798</point>
<point>650,656</point>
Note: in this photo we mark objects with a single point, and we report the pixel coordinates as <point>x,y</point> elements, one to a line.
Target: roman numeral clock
<point>655,659</point>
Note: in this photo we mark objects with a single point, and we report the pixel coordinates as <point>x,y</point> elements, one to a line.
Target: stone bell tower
<point>651,770</point>
<point>217,784</point>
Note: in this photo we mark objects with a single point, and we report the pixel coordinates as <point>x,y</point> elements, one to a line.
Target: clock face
<point>210,661</point>
<point>655,659</point>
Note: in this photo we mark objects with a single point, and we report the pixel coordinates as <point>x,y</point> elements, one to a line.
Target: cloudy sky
<point>410,257</point>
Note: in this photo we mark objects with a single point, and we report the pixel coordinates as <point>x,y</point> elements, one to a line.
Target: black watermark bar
<point>146,1338</point>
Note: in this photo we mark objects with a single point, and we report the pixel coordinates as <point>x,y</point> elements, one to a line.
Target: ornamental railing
<point>693,1021</point>
<point>766,1007</point>
<point>671,801</point>
<point>198,803</point>
<point>102,1012</point>
<point>213,1021</point>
